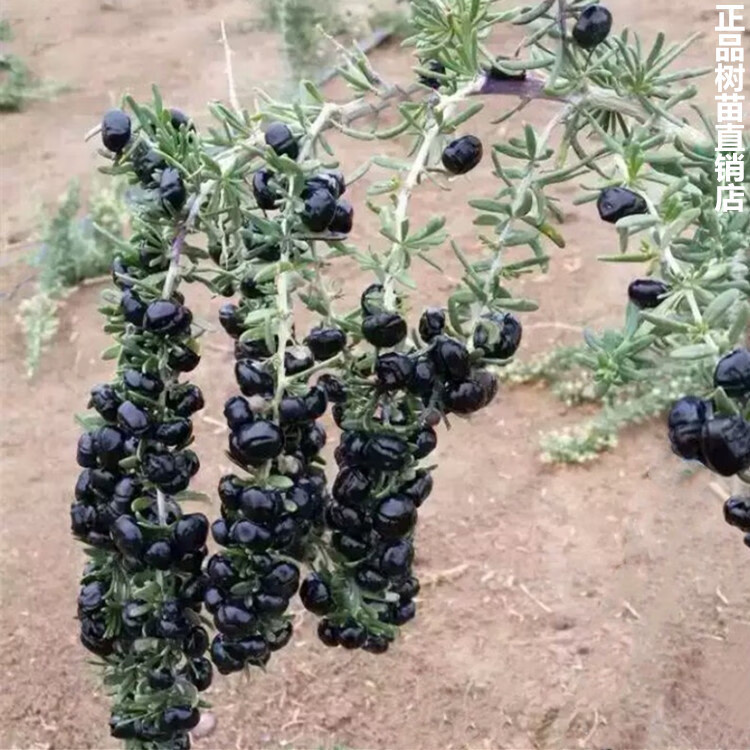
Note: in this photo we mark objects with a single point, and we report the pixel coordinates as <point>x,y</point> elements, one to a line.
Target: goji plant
<point>263,193</point>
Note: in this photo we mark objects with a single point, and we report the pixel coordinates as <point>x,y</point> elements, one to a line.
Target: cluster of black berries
<point>379,486</point>
<point>323,208</point>
<point>719,441</point>
<point>144,583</point>
<point>149,166</point>
<point>266,522</point>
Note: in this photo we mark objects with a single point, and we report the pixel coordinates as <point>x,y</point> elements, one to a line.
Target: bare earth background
<point>589,607</point>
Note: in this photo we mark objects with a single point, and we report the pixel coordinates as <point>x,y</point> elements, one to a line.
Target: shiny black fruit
<point>592,27</point>
<point>115,130</point>
<point>266,196</point>
<point>166,318</point>
<point>280,138</point>
<point>325,343</point>
<point>732,373</point>
<point>614,203</point>
<point>319,210</point>
<point>498,335</point>
<point>725,445</point>
<point>431,323</point>
<point>646,293</point>
<point>395,517</point>
<point>463,154</point>
<point>315,595</point>
<point>685,422</point>
<point>384,329</point>
<point>343,218</point>
<point>172,189</point>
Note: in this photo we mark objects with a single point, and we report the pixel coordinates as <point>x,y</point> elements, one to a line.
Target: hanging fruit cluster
<point>141,596</point>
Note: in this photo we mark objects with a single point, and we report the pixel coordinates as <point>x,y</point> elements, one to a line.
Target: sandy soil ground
<point>591,607</point>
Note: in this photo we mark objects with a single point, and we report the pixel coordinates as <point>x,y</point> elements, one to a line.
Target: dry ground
<point>589,607</point>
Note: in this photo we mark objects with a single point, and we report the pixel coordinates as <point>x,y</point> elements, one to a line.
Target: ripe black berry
<point>464,398</point>
<point>167,318</point>
<point>266,196</point>
<point>395,517</point>
<point>451,358</point>
<point>396,559</point>
<point>685,423</point>
<point>259,505</point>
<point>190,533</point>
<point>386,452</point>
<point>176,432</point>
<point>91,597</point>
<point>315,595</point>
<point>176,718</point>
<point>237,412</point>
<point>160,679</point>
<point>463,154</point>
<point>178,119</point>
<point>351,486</point>
<point>436,67</point>
<point>158,555</point>
<point>369,579</point>
<point>316,402</point>
<point>350,547</point>
<point>133,419</point>
<point>419,488</point>
<point>234,621</point>
<point>279,137</point>
<point>426,442</point>
<point>133,308</point>
<point>384,329</point>
<point>172,189</point>
<point>393,370</point>
<point>86,452</point>
<point>281,580</point>
<point>196,643</point>
<point>375,644</point>
<point>737,512</point>
<point>251,535</point>
<point>110,446</point>
<point>431,323</point>
<point>352,635</point>
<point>725,445</point>
<point>319,210</point>
<point>423,378</point>
<point>186,401</point>
<point>343,218</point>
<point>646,293</point>
<point>403,613</point>
<point>143,382</point>
<point>328,633</point>
<point>614,203</point>
<point>225,663</point>
<point>335,390</point>
<point>732,373</point>
<point>105,400</point>
<point>498,335</point>
<point>115,130</point>
<point>200,673</point>
<point>230,320</point>
<point>371,300</point>
<point>592,27</point>
<point>127,536</point>
<point>325,343</point>
<point>253,380</point>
